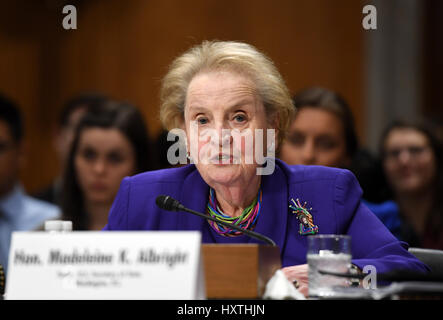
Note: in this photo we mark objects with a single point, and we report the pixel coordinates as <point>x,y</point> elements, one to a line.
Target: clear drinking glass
<point>327,253</point>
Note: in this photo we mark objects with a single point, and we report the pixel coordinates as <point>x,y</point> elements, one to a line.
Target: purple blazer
<point>334,195</point>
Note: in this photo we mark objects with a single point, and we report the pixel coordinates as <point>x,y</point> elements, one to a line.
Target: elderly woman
<point>231,91</point>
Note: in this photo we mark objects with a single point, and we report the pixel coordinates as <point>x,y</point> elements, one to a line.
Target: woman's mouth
<point>222,158</point>
<point>98,186</point>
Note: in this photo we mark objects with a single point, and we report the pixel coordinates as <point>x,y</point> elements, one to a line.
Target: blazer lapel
<point>274,212</point>
<point>194,195</point>
<point>272,221</point>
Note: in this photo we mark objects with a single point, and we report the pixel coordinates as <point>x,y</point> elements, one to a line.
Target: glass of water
<point>327,253</point>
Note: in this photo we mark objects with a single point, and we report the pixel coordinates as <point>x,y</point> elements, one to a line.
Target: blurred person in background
<point>412,160</point>
<point>110,143</point>
<point>72,112</point>
<point>18,211</point>
<point>322,132</point>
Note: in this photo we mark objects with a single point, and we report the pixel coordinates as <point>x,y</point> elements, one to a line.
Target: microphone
<point>170,204</point>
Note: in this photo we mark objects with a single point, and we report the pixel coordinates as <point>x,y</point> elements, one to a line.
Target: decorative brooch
<point>307,225</point>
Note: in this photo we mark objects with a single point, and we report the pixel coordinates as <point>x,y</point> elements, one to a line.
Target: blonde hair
<point>226,55</point>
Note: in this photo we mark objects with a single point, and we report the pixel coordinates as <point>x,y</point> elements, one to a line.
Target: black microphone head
<point>168,203</point>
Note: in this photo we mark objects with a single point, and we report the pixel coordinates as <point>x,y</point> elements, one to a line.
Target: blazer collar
<point>273,218</point>
<point>194,196</point>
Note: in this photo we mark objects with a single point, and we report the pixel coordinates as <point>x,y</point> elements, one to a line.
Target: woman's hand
<point>298,273</point>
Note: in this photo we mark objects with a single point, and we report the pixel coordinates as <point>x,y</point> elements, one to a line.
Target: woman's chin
<point>99,198</point>
<point>225,174</point>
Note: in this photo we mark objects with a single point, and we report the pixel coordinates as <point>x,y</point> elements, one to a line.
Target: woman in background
<point>412,159</point>
<point>322,132</point>
<point>110,143</point>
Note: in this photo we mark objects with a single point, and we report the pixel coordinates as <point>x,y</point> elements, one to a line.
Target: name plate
<point>105,265</point>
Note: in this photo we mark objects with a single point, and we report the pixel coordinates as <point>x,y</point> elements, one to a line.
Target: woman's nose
<point>308,153</point>
<point>225,137</point>
<point>221,136</point>
<point>99,166</point>
<point>404,156</point>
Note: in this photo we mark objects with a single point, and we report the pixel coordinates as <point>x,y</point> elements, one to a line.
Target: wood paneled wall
<point>123,48</point>
<point>433,62</point>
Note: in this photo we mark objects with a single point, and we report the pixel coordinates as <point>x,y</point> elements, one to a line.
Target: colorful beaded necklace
<point>246,220</point>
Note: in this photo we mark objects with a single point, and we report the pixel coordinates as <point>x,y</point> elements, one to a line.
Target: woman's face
<point>409,161</point>
<point>103,158</point>
<point>222,114</point>
<point>315,137</point>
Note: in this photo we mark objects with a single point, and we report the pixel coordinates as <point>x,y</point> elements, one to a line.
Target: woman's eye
<point>89,154</point>
<point>326,144</point>
<point>115,158</point>
<point>296,139</point>
<point>202,120</point>
<point>240,118</point>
